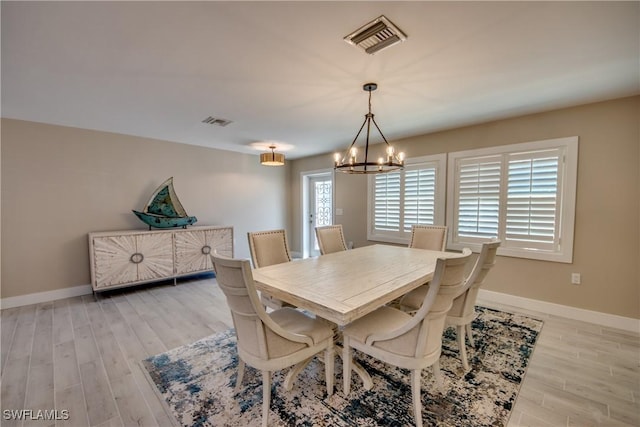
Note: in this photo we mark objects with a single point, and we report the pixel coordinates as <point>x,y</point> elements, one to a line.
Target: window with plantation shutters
<point>479,197</point>
<point>387,202</point>
<point>415,195</point>
<point>419,196</point>
<point>522,194</point>
<point>533,181</point>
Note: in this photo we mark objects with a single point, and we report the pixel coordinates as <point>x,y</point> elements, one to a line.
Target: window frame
<point>439,161</point>
<point>565,207</point>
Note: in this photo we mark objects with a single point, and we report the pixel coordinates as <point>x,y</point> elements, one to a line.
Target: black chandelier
<point>348,162</point>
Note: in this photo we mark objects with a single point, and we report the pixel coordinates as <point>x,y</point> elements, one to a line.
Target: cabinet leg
<point>96,296</point>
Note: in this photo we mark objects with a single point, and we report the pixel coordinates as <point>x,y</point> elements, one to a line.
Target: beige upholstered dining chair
<point>409,342</point>
<point>432,237</point>
<point>269,341</point>
<point>462,311</point>
<point>268,248</point>
<point>330,239</point>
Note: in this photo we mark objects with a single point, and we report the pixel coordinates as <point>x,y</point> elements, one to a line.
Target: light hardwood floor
<point>82,355</point>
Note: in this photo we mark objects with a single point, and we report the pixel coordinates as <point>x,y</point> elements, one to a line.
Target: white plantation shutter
<point>479,197</point>
<point>415,195</point>
<point>419,197</point>
<point>523,194</point>
<point>533,199</point>
<point>387,202</point>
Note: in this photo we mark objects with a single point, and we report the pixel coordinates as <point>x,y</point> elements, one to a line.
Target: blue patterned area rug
<point>196,383</point>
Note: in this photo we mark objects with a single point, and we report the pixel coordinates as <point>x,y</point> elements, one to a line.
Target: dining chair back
<point>268,248</point>
<point>432,237</point>
<point>463,312</point>
<point>330,239</point>
<point>409,342</point>
<point>269,341</point>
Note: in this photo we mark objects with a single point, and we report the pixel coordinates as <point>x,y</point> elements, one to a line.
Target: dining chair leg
<point>240,375</point>
<point>470,334</point>
<point>437,374</point>
<point>329,359</point>
<point>346,365</point>
<point>462,345</point>
<point>416,376</point>
<point>266,397</point>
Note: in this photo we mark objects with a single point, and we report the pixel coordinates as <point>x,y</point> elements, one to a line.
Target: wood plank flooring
<point>82,355</point>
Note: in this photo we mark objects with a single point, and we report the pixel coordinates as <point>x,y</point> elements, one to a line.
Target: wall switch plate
<point>339,211</point>
<point>575,278</point>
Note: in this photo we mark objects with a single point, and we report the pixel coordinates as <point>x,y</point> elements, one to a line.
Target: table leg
<point>367,382</point>
<point>294,372</point>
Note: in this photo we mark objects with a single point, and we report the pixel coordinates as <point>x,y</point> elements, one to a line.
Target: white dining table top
<point>344,286</point>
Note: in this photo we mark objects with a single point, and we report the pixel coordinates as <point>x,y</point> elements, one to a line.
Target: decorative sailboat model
<point>164,209</point>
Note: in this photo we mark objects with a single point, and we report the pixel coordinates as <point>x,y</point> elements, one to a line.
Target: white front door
<point>320,210</point>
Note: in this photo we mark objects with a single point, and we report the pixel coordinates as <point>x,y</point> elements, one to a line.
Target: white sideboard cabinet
<point>126,258</point>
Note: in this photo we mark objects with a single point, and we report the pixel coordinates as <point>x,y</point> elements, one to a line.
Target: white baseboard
<point>604,319</point>
<point>39,297</point>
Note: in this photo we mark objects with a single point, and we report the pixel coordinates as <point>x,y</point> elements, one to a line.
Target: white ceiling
<point>281,70</point>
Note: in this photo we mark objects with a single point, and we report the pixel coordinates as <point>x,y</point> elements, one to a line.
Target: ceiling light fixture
<point>348,163</point>
<point>272,158</point>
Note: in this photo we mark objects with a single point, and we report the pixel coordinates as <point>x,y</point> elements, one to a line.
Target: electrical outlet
<point>575,278</point>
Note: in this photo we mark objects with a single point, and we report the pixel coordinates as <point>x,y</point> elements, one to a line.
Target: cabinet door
<point>158,256</point>
<point>192,251</point>
<point>120,260</point>
<point>112,260</point>
<point>193,248</point>
<point>221,241</point>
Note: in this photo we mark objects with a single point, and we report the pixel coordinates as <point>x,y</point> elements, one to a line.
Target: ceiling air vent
<point>216,121</point>
<point>376,35</point>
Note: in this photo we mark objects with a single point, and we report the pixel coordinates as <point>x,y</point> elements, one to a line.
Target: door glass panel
<point>321,208</point>
<point>323,203</point>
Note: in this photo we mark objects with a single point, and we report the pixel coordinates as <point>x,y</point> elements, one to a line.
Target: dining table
<point>344,286</point>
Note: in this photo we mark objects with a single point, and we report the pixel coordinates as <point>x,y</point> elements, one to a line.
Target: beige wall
<point>60,183</point>
<point>607,229</point>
